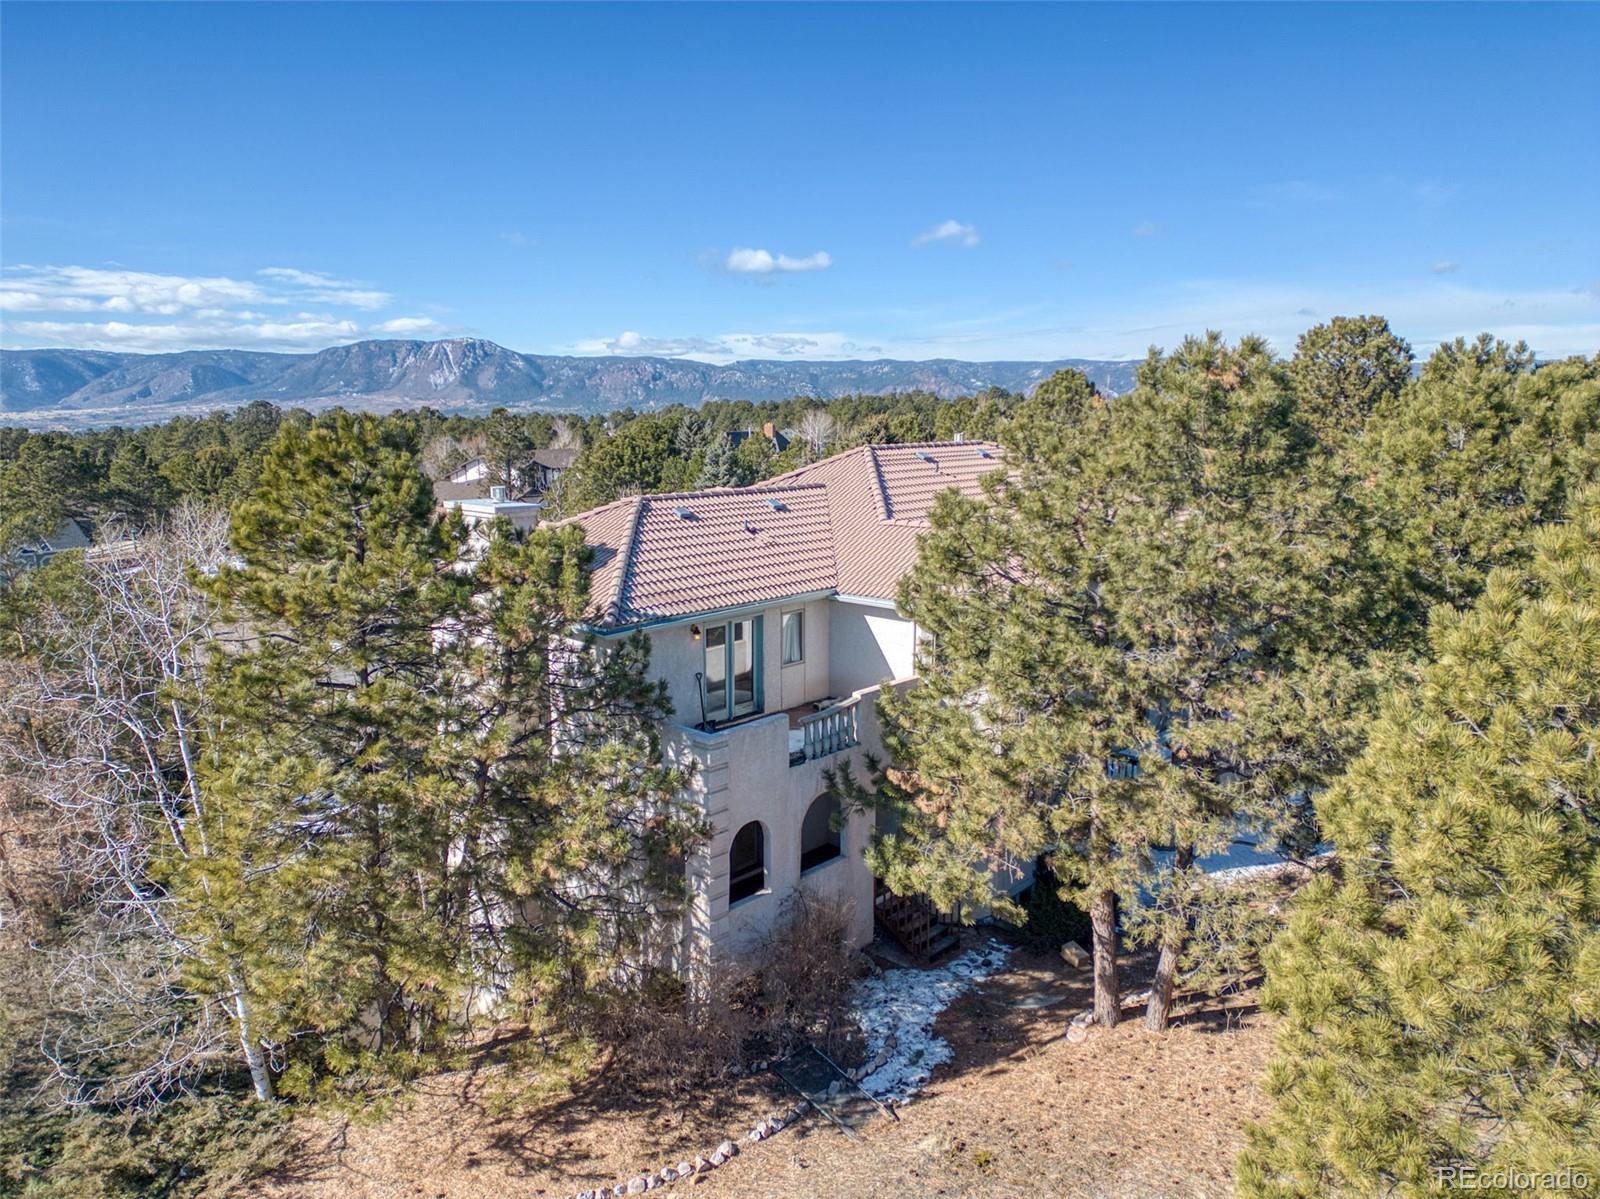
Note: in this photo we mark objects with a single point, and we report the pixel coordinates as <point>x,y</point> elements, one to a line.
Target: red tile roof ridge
<point>614,606</point>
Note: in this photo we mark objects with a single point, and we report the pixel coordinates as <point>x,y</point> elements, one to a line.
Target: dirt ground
<point>1019,1111</point>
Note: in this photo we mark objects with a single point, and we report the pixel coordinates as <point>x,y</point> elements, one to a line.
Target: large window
<point>819,833</point>
<point>794,638</point>
<point>733,669</point>
<point>747,863</point>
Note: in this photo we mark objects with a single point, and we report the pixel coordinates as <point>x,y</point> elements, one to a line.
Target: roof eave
<point>608,629</point>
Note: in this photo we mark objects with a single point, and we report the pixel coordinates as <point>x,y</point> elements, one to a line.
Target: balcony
<point>820,730</point>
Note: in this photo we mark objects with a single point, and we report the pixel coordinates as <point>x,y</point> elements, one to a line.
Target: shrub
<point>792,988</point>
<point>194,1146</point>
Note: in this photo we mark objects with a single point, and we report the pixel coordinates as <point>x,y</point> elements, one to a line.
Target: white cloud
<point>94,289</point>
<point>1555,323</point>
<point>408,326</point>
<point>1148,229</point>
<point>966,235</point>
<point>763,262</point>
<point>280,307</point>
<point>1445,267</point>
<point>730,347</point>
<point>325,289</point>
<point>630,343</point>
<point>167,338</point>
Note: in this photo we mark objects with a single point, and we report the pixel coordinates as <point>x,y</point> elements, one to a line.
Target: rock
<point>638,1186</point>
<point>1075,956</point>
<point>685,1169</point>
<point>669,1174</point>
<point>1083,1018</point>
<point>775,1124</point>
<point>1077,1033</point>
<point>727,1149</point>
<point>701,1165</point>
<point>718,1157</point>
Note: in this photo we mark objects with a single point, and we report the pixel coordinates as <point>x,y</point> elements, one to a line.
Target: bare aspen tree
<point>817,429</point>
<point>105,727</point>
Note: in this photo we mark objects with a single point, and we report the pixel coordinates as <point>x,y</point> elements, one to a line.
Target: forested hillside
<point>89,388</point>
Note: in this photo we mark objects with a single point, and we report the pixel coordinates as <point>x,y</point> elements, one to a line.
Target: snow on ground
<point>904,1004</point>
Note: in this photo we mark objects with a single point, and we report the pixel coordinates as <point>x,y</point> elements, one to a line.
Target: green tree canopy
<point>1166,580</point>
<point>1440,990</point>
<point>1468,460</point>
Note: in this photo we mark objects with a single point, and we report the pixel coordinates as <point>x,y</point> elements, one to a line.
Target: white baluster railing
<point>830,730</point>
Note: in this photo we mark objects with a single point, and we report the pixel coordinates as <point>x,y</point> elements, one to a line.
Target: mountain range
<point>88,388</point>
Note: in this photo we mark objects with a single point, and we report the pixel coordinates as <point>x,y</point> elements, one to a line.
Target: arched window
<point>747,863</point>
<point>819,832</point>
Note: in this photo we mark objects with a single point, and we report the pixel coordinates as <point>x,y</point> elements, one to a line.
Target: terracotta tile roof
<point>848,525</point>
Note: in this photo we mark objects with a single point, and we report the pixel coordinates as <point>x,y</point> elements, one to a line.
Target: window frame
<point>835,834</point>
<point>758,872</point>
<point>724,712</point>
<point>798,615</point>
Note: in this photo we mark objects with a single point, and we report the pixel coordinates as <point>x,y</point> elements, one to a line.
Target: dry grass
<point>1020,1111</point>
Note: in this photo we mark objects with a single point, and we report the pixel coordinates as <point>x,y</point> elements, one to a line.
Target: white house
<point>771,616</point>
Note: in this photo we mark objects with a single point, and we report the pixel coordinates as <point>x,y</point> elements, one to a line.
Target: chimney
<point>497,494</point>
<point>768,431</point>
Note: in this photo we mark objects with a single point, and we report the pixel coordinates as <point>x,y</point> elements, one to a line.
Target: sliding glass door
<point>733,669</point>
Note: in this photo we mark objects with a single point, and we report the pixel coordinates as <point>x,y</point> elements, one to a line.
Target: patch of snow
<point>897,1009</point>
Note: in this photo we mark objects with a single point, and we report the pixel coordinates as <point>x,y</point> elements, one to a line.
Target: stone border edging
<point>702,1164</point>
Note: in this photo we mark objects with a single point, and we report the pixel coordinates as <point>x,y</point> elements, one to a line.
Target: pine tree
<point>1468,460</point>
<point>1163,582</point>
<point>331,834</point>
<point>571,832</point>
<point>721,467</point>
<point>1440,990</point>
<point>435,796</point>
<point>1346,370</point>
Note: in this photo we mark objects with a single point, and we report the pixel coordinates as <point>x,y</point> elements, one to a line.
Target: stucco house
<point>771,616</point>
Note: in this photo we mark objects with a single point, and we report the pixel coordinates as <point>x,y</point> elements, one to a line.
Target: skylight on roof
<point>983,453</point>
<point>924,455</point>
<point>775,504</point>
<point>683,513</point>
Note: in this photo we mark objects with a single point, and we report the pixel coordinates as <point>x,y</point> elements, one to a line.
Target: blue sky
<point>824,181</point>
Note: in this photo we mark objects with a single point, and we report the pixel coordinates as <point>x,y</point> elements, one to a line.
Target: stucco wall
<point>744,775</point>
<point>867,645</point>
<point>675,656</point>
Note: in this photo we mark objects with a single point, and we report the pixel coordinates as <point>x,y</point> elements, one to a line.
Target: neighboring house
<point>543,469</point>
<point>771,616</point>
<point>34,552</point>
<point>780,438</point>
<point>478,509</point>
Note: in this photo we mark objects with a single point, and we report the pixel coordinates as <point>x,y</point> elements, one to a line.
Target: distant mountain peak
<point>83,388</point>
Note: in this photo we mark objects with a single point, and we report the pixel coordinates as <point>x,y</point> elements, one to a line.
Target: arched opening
<point>819,833</point>
<point>747,863</point>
